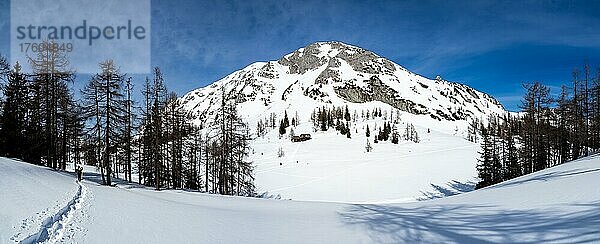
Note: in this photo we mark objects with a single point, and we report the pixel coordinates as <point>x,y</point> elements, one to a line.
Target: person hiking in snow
<point>79,171</point>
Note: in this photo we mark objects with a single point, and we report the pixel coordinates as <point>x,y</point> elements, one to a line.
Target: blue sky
<point>492,46</point>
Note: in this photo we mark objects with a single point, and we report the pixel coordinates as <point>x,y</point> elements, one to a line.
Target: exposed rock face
<point>268,71</point>
<point>304,59</point>
<point>336,73</point>
<point>367,62</point>
<point>311,58</point>
<point>377,91</point>
<point>327,75</point>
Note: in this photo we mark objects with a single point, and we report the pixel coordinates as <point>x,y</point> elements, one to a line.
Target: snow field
<point>556,205</point>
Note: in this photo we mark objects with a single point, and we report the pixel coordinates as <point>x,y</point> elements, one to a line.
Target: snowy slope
<point>334,73</point>
<point>29,195</point>
<point>331,167</point>
<point>556,205</point>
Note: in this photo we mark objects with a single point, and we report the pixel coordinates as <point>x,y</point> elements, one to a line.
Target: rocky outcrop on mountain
<point>378,91</point>
<point>334,73</point>
<point>303,60</point>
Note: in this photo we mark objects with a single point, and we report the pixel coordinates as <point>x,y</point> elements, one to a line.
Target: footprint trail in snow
<point>54,227</point>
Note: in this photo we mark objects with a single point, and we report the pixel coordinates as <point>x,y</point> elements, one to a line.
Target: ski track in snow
<point>54,227</point>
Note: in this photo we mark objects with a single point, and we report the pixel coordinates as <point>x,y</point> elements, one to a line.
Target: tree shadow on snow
<point>556,173</point>
<point>546,177</point>
<point>465,223</point>
<point>95,177</point>
<point>452,188</point>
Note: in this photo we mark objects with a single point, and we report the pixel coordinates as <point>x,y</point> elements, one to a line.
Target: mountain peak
<point>335,45</point>
<point>328,45</point>
<point>339,74</point>
<point>330,53</point>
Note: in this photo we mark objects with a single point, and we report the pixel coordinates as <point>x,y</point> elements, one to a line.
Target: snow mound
<point>556,205</point>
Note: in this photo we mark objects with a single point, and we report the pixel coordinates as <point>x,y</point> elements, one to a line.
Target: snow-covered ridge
<point>334,73</point>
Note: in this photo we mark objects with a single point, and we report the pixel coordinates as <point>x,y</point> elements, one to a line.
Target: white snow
<point>331,167</point>
<point>340,193</point>
<point>556,205</point>
<point>29,195</point>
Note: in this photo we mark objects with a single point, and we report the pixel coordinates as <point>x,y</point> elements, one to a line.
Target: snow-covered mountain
<point>555,205</point>
<point>331,167</point>
<point>335,73</point>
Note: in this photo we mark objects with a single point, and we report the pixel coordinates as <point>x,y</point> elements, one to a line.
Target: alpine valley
<point>335,93</point>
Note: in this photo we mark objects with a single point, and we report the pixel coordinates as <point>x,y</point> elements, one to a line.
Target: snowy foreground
<point>558,205</point>
<point>333,168</point>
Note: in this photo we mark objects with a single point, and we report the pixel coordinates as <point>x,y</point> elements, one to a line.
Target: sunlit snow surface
<point>331,167</point>
<point>557,205</point>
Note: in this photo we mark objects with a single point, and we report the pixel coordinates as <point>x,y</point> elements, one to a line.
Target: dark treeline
<point>334,117</point>
<point>40,120</point>
<point>174,153</point>
<point>42,123</point>
<point>341,120</point>
<point>548,131</point>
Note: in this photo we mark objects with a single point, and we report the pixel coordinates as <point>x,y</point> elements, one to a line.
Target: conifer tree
<point>13,140</point>
<point>348,133</point>
<point>368,147</point>
<point>286,121</point>
<point>129,128</point>
<point>105,104</point>
<point>512,167</point>
<point>395,138</point>
<point>346,113</point>
<point>4,68</point>
<point>296,119</point>
<point>484,167</point>
<point>51,75</point>
<point>282,128</point>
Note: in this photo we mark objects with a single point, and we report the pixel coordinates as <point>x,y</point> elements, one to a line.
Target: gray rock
<point>377,91</point>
